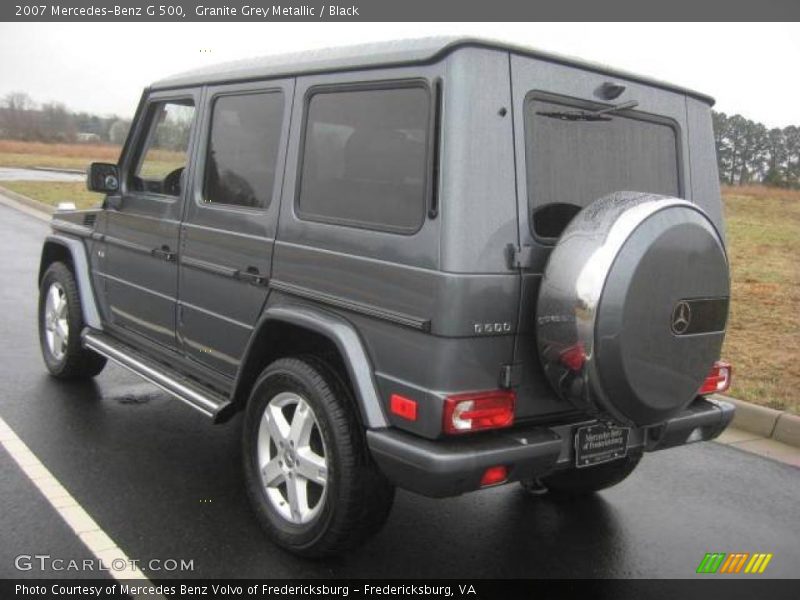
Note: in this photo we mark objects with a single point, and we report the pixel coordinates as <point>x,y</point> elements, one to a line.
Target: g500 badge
<point>489,328</point>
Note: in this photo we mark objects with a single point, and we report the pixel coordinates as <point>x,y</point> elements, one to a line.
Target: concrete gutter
<point>59,170</point>
<point>29,206</point>
<point>764,422</point>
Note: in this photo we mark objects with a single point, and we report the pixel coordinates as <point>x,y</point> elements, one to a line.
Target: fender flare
<point>346,340</point>
<point>80,265</point>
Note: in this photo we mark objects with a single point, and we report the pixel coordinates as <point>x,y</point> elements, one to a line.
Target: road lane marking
<point>84,526</point>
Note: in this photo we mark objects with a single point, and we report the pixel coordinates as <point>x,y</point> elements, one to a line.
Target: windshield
<point>572,162</point>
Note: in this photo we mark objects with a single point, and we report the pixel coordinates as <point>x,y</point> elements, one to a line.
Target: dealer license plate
<point>600,443</point>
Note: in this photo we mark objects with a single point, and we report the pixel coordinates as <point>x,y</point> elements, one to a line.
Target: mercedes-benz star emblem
<point>681,317</point>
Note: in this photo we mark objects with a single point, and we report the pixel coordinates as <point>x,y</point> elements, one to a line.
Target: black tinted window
<point>364,159</point>
<point>573,162</point>
<point>243,149</point>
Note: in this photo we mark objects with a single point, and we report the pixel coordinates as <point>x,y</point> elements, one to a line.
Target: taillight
<point>718,380</point>
<point>464,413</point>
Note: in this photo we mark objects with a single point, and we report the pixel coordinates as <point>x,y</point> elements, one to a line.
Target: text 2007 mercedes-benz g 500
<point>441,265</point>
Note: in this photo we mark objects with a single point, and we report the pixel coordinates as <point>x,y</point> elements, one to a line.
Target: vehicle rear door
<point>228,232</point>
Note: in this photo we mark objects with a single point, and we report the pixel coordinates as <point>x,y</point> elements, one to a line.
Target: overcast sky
<point>749,68</point>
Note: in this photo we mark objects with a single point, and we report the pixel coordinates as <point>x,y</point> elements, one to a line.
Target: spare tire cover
<point>632,307</point>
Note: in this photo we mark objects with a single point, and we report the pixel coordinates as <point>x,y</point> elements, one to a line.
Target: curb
<point>59,170</point>
<point>769,423</point>
<point>29,202</point>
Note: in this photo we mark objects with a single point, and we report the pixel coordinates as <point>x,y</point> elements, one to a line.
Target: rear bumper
<point>440,468</point>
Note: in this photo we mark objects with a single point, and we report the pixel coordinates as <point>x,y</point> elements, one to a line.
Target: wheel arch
<point>72,251</point>
<point>296,330</point>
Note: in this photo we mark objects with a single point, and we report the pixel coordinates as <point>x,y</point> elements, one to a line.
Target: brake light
<point>494,475</point>
<point>478,411</point>
<point>718,380</point>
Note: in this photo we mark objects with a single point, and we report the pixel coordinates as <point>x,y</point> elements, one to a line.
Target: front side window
<point>365,158</point>
<point>573,160</point>
<point>163,155</point>
<point>243,150</point>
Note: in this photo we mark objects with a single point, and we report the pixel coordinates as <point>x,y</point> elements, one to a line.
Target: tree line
<point>747,151</point>
<point>23,119</point>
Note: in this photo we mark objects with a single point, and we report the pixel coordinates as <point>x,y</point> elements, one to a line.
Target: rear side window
<point>365,158</point>
<point>572,162</point>
<point>243,149</point>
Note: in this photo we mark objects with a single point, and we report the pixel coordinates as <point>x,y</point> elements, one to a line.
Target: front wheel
<point>580,482</point>
<point>60,325</point>
<point>309,475</point>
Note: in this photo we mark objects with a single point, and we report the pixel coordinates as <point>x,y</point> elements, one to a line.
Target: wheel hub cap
<point>292,458</point>
<point>56,321</point>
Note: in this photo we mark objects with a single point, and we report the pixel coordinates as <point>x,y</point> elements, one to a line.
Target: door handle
<point>252,276</point>
<point>163,253</point>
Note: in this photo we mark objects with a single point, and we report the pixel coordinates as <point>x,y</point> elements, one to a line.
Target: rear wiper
<point>591,115</point>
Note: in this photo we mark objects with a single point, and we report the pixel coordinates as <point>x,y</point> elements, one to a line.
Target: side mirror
<point>102,177</point>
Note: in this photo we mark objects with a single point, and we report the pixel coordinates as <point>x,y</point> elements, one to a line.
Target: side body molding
<point>349,344</point>
<point>80,263</point>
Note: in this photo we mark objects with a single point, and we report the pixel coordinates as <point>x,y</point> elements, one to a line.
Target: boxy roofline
<point>385,54</point>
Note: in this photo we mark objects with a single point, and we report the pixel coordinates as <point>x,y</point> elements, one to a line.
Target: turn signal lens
<point>403,407</point>
<point>718,380</point>
<point>465,413</point>
<point>494,475</point>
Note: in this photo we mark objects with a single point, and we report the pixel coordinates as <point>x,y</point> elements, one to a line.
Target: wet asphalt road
<point>14,174</point>
<point>164,483</point>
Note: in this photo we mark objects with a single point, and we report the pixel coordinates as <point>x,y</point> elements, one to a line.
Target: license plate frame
<point>611,439</point>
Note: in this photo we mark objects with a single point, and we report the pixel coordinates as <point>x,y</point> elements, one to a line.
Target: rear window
<point>572,162</point>
<point>365,158</point>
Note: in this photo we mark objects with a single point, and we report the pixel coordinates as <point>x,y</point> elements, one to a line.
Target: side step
<point>207,402</point>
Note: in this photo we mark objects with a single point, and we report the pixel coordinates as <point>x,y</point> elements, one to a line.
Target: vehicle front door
<point>141,238</point>
<point>229,229</point>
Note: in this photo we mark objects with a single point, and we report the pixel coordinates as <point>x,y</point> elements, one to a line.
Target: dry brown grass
<point>78,156</point>
<point>107,152</point>
<point>763,341</point>
<point>62,156</point>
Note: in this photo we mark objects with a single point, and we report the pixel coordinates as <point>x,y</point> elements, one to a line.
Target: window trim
<point>143,135</point>
<point>430,145</point>
<point>199,199</point>
<point>571,102</point>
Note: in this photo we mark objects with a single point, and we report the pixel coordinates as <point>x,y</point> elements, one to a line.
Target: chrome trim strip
<point>69,227</point>
<point>352,305</point>
<point>163,381</point>
<point>209,267</point>
<point>115,241</point>
<point>135,286</point>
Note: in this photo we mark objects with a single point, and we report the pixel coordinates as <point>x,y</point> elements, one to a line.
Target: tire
<point>60,326</point>
<point>340,497</point>
<point>581,482</point>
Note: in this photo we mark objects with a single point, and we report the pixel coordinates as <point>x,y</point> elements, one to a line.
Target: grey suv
<point>441,265</point>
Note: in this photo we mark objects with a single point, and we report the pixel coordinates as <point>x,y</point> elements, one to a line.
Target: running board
<point>186,390</point>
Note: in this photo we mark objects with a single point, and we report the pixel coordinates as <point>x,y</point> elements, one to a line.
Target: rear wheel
<point>60,325</point>
<point>309,475</point>
<point>580,482</point>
